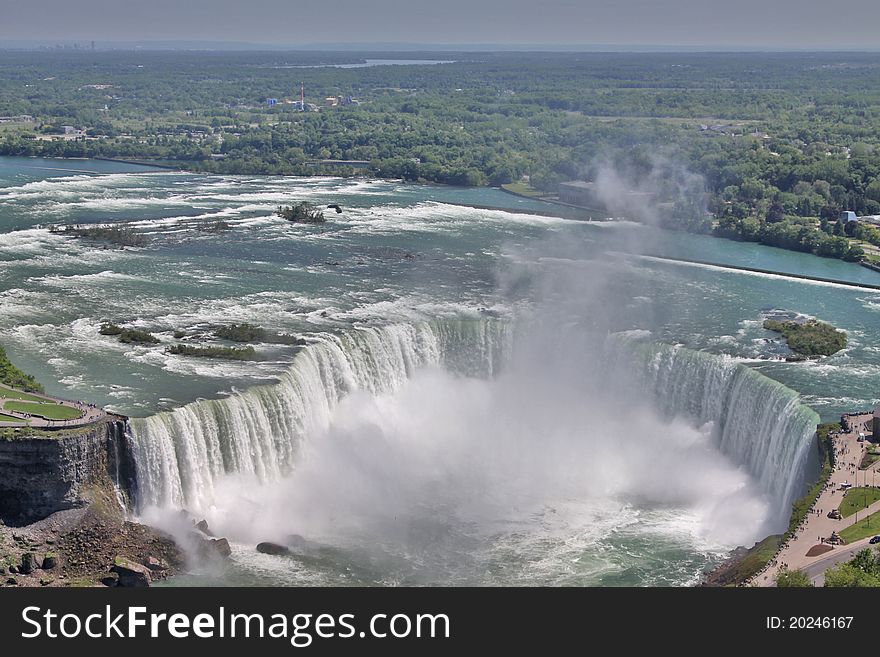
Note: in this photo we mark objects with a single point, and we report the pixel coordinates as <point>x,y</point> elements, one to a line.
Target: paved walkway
<point>88,413</point>
<point>817,527</point>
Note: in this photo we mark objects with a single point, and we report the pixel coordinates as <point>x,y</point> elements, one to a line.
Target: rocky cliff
<point>45,473</point>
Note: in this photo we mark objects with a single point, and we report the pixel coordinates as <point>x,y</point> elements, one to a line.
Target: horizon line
<point>382,46</point>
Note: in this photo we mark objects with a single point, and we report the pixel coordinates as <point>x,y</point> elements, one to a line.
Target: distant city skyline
<point>409,24</point>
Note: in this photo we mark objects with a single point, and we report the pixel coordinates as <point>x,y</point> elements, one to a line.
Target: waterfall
<point>756,421</point>
<point>180,454</point>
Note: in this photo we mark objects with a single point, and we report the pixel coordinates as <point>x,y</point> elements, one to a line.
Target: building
<point>847,215</point>
<point>578,192</point>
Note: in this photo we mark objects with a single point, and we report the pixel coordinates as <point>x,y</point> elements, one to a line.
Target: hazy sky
<point>767,23</point>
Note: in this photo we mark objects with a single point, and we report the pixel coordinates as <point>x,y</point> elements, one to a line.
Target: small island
<point>118,235</point>
<point>809,339</point>
<point>225,353</point>
<point>246,332</point>
<point>302,213</point>
<point>128,335</point>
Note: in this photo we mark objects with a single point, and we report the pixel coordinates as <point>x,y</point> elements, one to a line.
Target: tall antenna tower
<point>302,96</point>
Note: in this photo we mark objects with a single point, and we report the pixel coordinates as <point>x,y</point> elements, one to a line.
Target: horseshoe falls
<point>476,396</point>
<point>360,412</point>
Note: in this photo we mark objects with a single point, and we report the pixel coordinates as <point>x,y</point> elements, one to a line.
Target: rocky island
<point>810,338</point>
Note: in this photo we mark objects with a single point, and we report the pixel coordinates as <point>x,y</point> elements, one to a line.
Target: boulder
<point>272,548</point>
<point>221,547</point>
<point>111,580</point>
<point>209,549</point>
<point>131,574</point>
<point>156,565</point>
<point>28,563</point>
<point>202,526</point>
<point>12,581</point>
<point>50,561</point>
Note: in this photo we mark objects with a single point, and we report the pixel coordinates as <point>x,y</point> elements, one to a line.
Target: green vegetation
<point>792,579</point>
<point>523,189</point>
<point>240,333</point>
<point>302,213</point>
<point>9,393</point>
<point>781,142</point>
<point>862,570</point>
<point>113,234</point>
<point>811,338</point>
<point>857,499</point>
<point>862,529</point>
<point>15,433</point>
<point>801,507</point>
<point>10,375</point>
<point>128,335</point>
<point>740,569</point>
<point>48,411</point>
<point>227,353</point>
<point>245,332</point>
<point>9,418</point>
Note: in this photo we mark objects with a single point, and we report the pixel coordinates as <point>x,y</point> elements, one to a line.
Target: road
<point>816,570</point>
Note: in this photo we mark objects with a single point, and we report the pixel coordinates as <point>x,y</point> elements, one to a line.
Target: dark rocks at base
<point>156,565</point>
<point>210,549</point>
<point>50,561</point>
<point>221,547</point>
<point>28,563</point>
<point>111,580</point>
<point>12,581</point>
<point>272,548</point>
<point>202,526</point>
<point>131,574</point>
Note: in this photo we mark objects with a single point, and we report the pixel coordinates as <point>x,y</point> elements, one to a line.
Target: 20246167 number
<point>809,622</point>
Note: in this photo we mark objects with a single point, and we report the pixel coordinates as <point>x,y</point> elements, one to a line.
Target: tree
<point>793,579</point>
<point>862,570</point>
<point>303,213</point>
<point>848,575</point>
<point>775,213</point>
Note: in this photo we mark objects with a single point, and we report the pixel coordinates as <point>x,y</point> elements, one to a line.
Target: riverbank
<point>810,544</point>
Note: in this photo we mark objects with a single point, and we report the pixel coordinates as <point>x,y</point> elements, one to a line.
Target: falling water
<point>180,455</point>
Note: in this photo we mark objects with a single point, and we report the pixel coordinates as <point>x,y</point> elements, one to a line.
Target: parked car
<point>874,540</point>
<point>834,514</point>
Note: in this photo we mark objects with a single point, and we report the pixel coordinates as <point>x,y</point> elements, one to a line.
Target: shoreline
<point>809,517</point>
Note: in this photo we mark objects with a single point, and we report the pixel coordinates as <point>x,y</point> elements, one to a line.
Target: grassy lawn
<point>9,418</point>
<point>862,529</point>
<point>523,188</point>
<point>9,393</point>
<point>856,499</point>
<point>51,411</point>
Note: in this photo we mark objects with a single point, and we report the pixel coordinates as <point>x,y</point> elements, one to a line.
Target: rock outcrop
<point>267,547</point>
<point>46,473</point>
